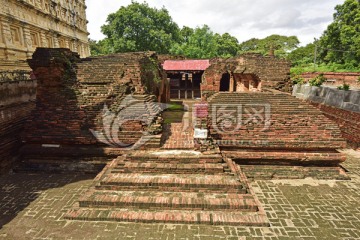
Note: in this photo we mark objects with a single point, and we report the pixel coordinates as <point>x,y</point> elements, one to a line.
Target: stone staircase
<point>140,114</point>
<point>275,128</point>
<point>180,135</point>
<point>170,187</point>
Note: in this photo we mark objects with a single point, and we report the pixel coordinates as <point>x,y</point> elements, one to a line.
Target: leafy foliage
<point>227,45</point>
<point>197,44</point>
<point>201,42</point>
<point>303,55</point>
<point>281,45</point>
<point>340,42</point>
<point>317,81</point>
<point>139,27</point>
<point>345,87</point>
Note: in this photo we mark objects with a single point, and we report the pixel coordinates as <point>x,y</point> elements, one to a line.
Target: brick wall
<point>336,79</point>
<point>273,128</point>
<point>72,95</point>
<point>17,99</point>
<point>348,121</point>
<point>343,107</point>
<point>272,72</point>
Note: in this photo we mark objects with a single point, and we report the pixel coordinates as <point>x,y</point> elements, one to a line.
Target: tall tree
<point>139,27</point>
<point>340,43</point>
<point>302,55</point>
<point>281,45</point>
<point>200,43</point>
<point>227,45</point>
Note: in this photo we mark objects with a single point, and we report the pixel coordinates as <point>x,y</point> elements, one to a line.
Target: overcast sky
<point>244,19</point>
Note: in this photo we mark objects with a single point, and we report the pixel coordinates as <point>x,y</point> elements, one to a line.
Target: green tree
<point>99,47</point>
<point>139,27</point>
<point>185,33</point>
<point>341,40</point>
<point>281,45</point>
<point>200,44</point>
<point>227,45</point>
<point>302,55</point>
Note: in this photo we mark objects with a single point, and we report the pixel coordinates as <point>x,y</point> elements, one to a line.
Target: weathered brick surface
<point>272,72</point>
<point>297,209</point>
<point>274,128</point>
<point>17,99</point>
<point>112,95</point>
<point>336,79</point>
<point>348,122</point>
<point>153,187</point>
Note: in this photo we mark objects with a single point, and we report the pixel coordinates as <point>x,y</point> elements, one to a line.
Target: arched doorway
<point>225,82</point>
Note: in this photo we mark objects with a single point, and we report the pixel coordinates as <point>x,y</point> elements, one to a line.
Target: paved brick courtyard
<point>32,206</point>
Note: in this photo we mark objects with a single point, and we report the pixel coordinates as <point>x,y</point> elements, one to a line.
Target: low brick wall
<point>336,79</point>
<point>17,100</point>
<point>343,107</point>
<point>349,122</point>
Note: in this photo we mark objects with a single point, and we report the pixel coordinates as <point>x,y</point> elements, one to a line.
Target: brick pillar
<point>58,118</point>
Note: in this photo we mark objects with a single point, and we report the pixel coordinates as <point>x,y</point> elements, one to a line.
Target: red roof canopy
<point>190,65</point>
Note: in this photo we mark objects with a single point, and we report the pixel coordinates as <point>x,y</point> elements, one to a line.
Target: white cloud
<point>243,19</point>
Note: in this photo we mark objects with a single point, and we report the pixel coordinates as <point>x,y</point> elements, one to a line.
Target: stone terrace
<point>171,186</point>
<point>275,128</point>
<point>32,206</point>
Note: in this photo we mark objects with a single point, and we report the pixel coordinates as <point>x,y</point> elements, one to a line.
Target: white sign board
<point>200,133</point>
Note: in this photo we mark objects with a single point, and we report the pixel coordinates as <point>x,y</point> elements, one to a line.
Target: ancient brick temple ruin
<point>191,79</point>
<point>106,115</point>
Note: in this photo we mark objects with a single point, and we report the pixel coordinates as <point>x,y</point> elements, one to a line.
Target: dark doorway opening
<point>225,82</point>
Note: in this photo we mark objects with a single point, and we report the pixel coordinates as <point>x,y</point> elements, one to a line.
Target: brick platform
<point>275,129</point>
<point>32,207</point>
<point>170,187</point>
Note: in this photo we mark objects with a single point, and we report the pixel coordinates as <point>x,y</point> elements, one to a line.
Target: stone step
<point>168,200</point>
<point>171,168</point>
<point>282,157</point>
<point>172,182</point>
<point>174,158</point>
<point>170,216</point>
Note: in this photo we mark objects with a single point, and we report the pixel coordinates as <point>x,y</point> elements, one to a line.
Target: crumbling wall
<point>272,72</point>
<point>163,57</point>
<point>77,98</point>
<point>343,107</point>
<point>72,92</point>
<point>17,100</point>
<point>336,79</point>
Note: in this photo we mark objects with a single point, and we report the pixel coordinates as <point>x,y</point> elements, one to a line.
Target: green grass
<point>175,107</point>
<point>322,68</point>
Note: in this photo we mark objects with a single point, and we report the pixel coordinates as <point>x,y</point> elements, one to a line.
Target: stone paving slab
<point>32,207</point>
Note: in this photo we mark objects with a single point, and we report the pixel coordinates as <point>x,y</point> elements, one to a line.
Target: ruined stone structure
<point>246,73</point>
<point>78,97</point>
<point>191,79</point>
<point>26,25</point>
<point>91,113</point>
<point>185,77</point>
<point>343,107</point>
<point>17,100</point>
